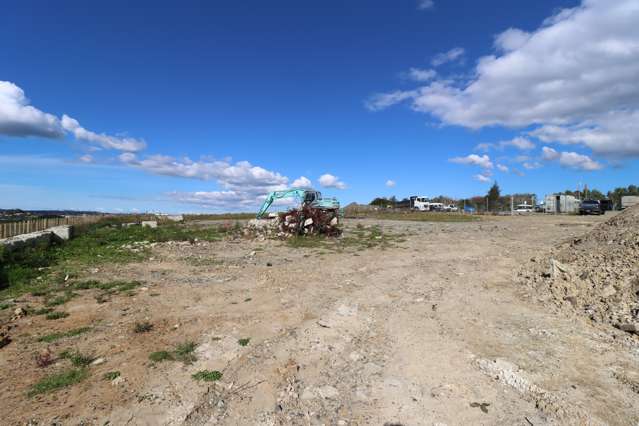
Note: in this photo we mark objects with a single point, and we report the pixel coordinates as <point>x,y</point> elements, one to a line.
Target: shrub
<point>56,315</point>
<point>207,375</point>
<point>58,381</point>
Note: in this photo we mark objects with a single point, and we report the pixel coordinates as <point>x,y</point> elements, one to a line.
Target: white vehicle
<point>437,207</point>
<point>452,208</point>
<point>422,204</point>
<point>524,208</point>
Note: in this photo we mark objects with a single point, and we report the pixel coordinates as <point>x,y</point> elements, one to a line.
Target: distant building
<point>561,203</point>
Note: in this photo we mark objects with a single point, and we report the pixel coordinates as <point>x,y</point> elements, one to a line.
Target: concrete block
<point>150,223</point>
<point>175,217</point>
<point>62,233</point>
<point>26,240</point>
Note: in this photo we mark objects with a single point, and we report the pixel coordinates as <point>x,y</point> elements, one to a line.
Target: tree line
<point>494,201</point>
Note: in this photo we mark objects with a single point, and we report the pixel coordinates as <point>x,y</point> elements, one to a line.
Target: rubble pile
<point>596,274</point>
<point>304,221</point>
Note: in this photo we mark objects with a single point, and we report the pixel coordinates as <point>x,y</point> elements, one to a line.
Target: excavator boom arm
<point>276,195</point>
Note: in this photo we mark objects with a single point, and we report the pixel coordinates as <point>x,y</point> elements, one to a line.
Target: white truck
<point>629,201</point>
<point>422,204</point>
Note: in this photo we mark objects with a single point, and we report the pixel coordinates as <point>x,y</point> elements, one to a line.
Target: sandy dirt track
<point>434,330</point>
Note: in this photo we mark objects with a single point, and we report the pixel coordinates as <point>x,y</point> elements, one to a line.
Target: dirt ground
<point>431,331</point>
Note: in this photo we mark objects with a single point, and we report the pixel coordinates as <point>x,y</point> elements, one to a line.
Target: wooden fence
<point>11,229</point>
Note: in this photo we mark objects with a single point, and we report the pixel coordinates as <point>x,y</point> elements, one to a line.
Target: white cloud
<point>549,154</point>
<point>615,134</point>
<point>86,158</point>
<point>511,39</point>
<point>571,160</point>
<point>575,78</point>
<point>18,118</point>
<point>128,144</point>
<point>384,100</point>
<point>451,56</point>
<point>425,4</point>
<point>482,178</point>
<point>502,168</point>
<point>219,200</point>
<point>421,74</point>
<point>520,143</point>
<point>244,185</point>
<point>474,159</point>
<point>532,165</point>
<point>391,183</point>
<point>329,181</point>
<point>241,176</point>
<point>301,182</point>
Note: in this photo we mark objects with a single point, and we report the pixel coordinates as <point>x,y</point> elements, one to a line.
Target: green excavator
<point>309,199</point>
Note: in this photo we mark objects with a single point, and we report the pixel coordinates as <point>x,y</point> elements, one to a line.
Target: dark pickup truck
<point>590,207</point>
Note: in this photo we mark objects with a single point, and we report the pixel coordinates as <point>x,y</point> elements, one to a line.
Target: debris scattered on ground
<point>304,221</point>
<point>18,313</point>
<point>596,273</point>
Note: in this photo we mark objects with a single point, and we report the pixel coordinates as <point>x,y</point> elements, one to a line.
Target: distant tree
<point>383,202</point>
<point>595,194</point>
<point>616,194</point>
<point>493,197</point>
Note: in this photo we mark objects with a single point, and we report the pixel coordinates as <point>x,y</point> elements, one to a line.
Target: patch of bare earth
<point>434,329</point>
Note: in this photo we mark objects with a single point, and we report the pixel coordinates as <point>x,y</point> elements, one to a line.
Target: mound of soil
<point>597,273</point>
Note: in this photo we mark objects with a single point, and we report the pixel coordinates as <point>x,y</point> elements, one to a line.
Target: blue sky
<point>206,106</point>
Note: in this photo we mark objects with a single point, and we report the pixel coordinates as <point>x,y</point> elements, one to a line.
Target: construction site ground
<point>416,323</point>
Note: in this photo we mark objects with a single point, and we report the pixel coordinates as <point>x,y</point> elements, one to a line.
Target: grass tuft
<point>77,359</point>
<point>207,375</point>
<point>57,336</point>
<point>57,315</point>
<point>244,342</point>
<point>161,356</point>
<point>185,352</point>
<point>58,381</point>
<point>60,299</point>
<point>111,375</point>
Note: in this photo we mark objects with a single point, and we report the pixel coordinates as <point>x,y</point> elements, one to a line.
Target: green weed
<point>57,315</point>
<point>207,375</point>
<point>77,359</point>
<point>161,356</point>
<point>57,336</point>
<point>185,352</point>
<point>58,381</point>
<point>244,342</point>
<point>111,375</point>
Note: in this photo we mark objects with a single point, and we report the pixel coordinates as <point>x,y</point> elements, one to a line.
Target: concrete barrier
<point>57,233</point>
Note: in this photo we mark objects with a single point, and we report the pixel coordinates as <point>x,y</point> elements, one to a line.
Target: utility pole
<point>512,205</point>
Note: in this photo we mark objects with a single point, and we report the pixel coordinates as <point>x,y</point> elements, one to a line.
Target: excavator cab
<point>310,196</point>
